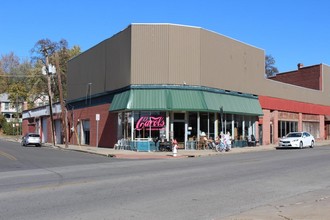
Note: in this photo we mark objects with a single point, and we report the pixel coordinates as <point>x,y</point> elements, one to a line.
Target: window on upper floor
<point>6,106</point>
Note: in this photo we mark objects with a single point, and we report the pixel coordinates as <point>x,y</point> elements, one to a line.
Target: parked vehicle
<point>31,139</point>
<point>297,140</point>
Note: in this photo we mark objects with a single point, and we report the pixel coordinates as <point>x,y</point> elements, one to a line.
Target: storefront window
<point>149,124</point>
<point>124,125</point>
<point>211,125</point>
<point>238,127</point>
<point>284,127</point>
<point>313,128</point>
<point>192,126</point>
<point>204,123</point>
<point>228,123</point>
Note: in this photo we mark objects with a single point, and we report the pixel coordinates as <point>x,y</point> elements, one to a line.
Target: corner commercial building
<point>172,81</point>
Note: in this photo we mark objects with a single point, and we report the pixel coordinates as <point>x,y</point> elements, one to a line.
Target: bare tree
<point>270,69</point>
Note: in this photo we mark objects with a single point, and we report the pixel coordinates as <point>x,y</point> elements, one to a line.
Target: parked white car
<point>31,139</point>
<point>297,140</point>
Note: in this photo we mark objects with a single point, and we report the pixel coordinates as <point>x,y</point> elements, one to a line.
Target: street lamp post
<point>221,116</point>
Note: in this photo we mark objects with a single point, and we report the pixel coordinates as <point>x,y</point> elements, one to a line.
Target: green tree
<point>18,92</point>
<point>47,48</point>
<point>270,69</point>
<point>9,64</point>
<point>23,79</point>
<point>2,121</point>
<point>37,85</point>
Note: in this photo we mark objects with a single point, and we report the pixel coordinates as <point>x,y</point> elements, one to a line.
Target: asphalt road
<point>72,185</point>
<point>13,156</point>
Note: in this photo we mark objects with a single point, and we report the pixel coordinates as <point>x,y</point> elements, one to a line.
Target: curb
<point>124,156</point>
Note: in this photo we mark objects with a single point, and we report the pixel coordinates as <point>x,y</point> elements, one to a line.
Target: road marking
<point>10,157</point>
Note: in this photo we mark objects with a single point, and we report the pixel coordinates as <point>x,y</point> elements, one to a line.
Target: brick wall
<point>107,125</point>
<point>25,126</point>
<point>28,126</point>
<point>266,127</point>
<point>322,127</point>
<point>308,77</point>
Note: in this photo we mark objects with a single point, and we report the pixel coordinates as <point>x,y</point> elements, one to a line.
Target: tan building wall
<point>173,54</point>
<point>165,54</point>
<point>170,54</point>
<point>82,70</point>
<point>106,66</point>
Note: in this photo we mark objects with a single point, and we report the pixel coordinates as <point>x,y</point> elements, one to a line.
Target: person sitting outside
<point>210,143</point>
<point>202,141</point>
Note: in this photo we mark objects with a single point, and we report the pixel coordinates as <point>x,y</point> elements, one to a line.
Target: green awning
<point>233,104</point>
<point>147,99</point>
<point>184,100</point>
<point>120,101</point>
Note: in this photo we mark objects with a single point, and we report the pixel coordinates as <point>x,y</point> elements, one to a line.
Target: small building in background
<point>12,111</point>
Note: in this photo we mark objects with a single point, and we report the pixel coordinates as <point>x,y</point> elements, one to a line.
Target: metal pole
<point>221,115</point>
<point>97,133</point>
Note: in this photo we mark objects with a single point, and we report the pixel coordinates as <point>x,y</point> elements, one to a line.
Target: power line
<point>9,76</point>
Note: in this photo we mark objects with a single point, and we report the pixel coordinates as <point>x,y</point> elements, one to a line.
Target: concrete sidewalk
<point>128,154</point>
<point>157,154</point>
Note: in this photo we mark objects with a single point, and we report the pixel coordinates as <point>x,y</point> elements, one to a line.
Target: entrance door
<point>327,130</point>
<point>44,130</point>
<point>86,132</point>
<point>58,131</point>
<point>179,131</point>
<point>260,134</point>
<point>271,133</point>
<point>83,129</point>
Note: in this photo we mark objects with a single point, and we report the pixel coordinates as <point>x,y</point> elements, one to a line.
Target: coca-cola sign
<point>150,123</point>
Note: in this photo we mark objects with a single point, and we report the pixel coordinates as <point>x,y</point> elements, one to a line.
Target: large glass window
<point>285,127</point>
<point>149,124</point>
<point>313,128</point>
<point>6,106</point>
<point>124,125</point>
<point>238,127</point>
<point>192,126</point>
<point>204,123</point>
<point>211,125</point>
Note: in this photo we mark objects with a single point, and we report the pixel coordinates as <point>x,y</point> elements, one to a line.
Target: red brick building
<point>308,77</point>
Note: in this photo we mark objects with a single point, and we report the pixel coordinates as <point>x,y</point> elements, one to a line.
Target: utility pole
<point>50,95</point>
<point>63,113</point>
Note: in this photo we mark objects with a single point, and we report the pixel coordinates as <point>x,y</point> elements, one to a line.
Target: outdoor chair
<point>251,141</point>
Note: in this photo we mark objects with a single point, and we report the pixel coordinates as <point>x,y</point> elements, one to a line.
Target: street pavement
<point>314,205</point>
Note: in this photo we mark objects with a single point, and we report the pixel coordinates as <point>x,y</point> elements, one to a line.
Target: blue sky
<point>292,31</point>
